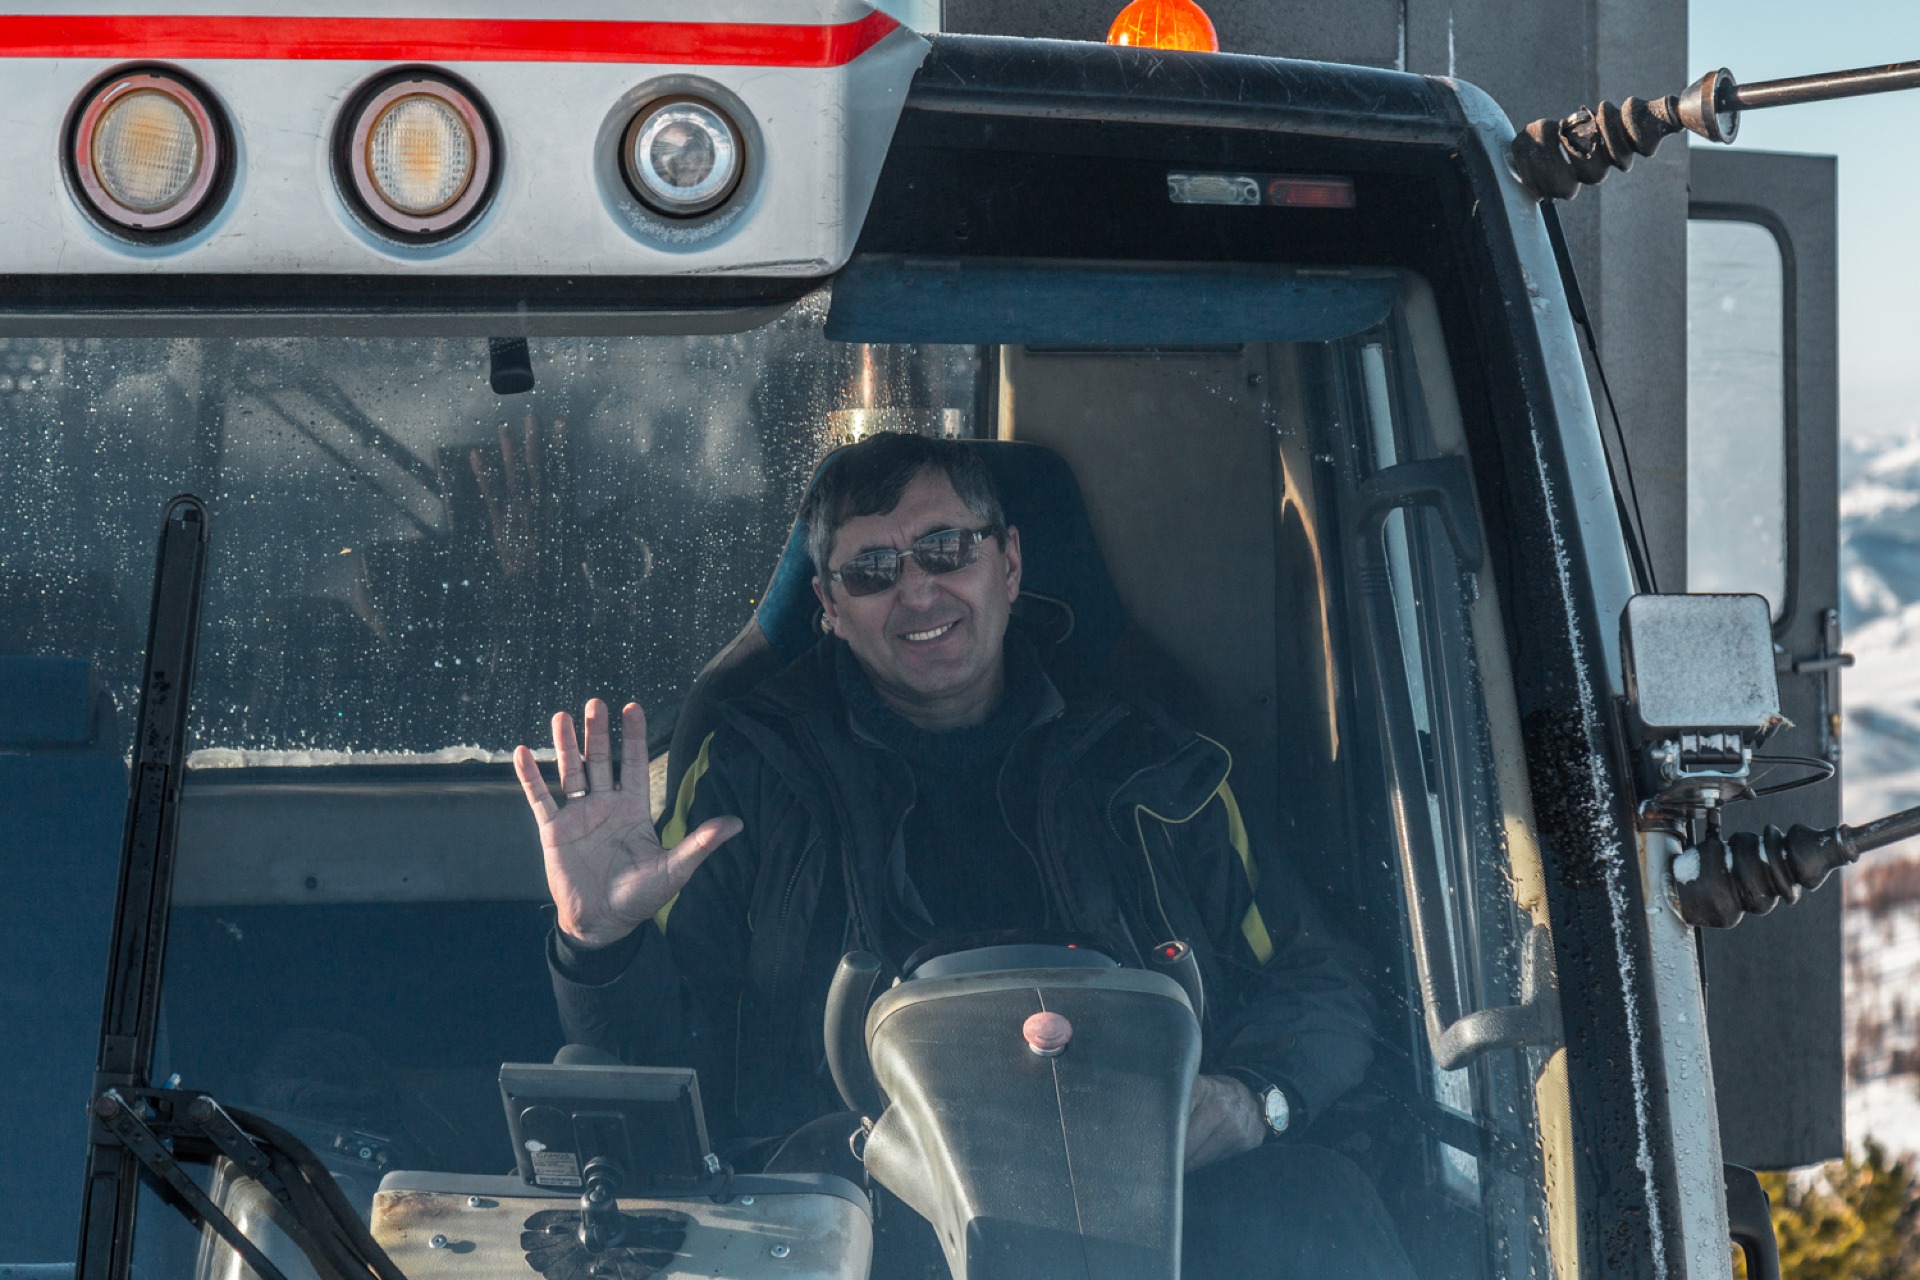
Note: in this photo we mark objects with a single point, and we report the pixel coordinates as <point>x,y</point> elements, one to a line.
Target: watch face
<point>1274,1103</point>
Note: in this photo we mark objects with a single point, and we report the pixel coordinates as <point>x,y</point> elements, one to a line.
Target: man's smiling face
<point>931,646</point>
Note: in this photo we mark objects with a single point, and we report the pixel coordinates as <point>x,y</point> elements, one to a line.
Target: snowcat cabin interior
<point>1284,415</point>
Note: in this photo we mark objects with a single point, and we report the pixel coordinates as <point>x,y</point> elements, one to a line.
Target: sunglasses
<point>944,551</point>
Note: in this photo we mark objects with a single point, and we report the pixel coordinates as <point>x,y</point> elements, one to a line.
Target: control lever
<point>1176,960</point>
<point>601,1226</point>
<point>846,1031</point>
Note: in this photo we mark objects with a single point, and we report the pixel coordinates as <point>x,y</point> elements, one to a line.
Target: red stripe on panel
<point>177,37</point>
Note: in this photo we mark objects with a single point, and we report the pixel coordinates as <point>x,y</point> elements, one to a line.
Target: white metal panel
<point>793,1237</point>
<point>817,138</point>
<point>1690,1095</point>
<point>780,12</point>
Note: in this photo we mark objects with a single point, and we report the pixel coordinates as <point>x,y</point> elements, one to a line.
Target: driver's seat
<point>1067,601</point>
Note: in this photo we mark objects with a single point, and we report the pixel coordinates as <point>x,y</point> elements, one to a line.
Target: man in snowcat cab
<point>916,778</point>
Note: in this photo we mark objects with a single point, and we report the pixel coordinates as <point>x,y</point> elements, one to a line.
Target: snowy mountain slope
<point>1880,611</point>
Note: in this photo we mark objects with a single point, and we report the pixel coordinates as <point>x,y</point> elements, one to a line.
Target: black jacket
<point>1129,817</point>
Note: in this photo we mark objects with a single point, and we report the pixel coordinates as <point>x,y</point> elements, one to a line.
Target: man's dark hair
<point>867,479</point>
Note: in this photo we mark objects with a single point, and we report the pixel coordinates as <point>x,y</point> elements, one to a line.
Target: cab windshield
<point>410,573</point>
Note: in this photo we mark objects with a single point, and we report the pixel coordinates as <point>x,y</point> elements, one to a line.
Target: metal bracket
<point>1701,772</point>
<point>1534,1021</point>
<point>119,1121</point>
<point>1828,662</point>
<point>1444,484</point>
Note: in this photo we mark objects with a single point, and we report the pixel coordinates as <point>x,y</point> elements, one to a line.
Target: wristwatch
<point>1274,1108</point>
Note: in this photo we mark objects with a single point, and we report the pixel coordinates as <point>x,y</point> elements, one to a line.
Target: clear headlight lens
<point>420,156</point>
<point>682,157</point>
<point>146,152</point>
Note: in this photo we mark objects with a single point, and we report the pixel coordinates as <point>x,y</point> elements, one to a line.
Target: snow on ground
<point>1886,1110</point>
<point>1880,536</point>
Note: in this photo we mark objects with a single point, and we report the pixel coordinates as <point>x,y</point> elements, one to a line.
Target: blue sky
<point>1879,178</point>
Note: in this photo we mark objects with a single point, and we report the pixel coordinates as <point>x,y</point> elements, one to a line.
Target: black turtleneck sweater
<point>964,869</point>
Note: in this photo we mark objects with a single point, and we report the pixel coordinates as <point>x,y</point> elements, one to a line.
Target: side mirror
<point>1701,690</point>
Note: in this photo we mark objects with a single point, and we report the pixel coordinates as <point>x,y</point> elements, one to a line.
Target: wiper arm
<point>124,1122</point>
<point>163,1128</point>
<point>136,1128</point>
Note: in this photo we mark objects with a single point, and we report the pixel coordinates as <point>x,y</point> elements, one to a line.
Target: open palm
<point>606,868</point>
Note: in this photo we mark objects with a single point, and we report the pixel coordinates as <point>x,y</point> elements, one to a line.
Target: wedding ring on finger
<point>577,795</point>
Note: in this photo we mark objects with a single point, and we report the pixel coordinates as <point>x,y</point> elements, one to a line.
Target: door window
<point>1736,410</point>
<point>1445,736</point>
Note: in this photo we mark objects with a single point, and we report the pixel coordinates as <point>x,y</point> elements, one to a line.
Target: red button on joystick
<point>1047,1033</point>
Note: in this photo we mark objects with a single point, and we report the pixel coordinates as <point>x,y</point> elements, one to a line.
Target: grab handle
<point>846,1031</point>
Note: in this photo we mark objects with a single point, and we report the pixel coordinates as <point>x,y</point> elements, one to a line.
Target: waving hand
<point>606,868</point>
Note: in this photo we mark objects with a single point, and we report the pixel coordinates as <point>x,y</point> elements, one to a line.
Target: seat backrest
<point>1068,603</point>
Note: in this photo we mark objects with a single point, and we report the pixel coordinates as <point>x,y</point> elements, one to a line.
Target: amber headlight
<point>147,151</point>
<point>420,156</point>
<point>682,157</point>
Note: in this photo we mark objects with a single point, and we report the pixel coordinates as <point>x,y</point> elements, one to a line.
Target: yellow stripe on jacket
<point>676,829</point>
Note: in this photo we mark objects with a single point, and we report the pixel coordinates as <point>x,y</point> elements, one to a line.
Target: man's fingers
<point>686,856</point>
<point>532,448</point>
<point>508,465</point>
<point>559,473</point>
<point>485,481</point>
<point>599,747</point>
<point>633,742</point>
<point>566,748</point>
<point>527,770</point>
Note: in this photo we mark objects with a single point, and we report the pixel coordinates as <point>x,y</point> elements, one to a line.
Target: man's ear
<point>825,598</point>
<point>1012,553</point>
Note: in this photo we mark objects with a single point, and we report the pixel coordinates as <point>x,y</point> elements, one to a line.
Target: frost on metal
<point>1590,804</point>
<point>229,758</point>
<point>1686,867</point>
<point>1702,663</point>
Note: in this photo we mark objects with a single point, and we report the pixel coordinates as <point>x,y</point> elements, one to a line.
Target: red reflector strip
<point>176,37</point>
<point>1311,193</point>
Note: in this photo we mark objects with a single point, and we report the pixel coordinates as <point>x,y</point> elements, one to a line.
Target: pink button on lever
<point>1047,1033</point>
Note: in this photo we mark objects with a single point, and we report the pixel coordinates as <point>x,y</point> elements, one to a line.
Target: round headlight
<point>420,156</point>
<point>681,157</point>
<point>146,152</point>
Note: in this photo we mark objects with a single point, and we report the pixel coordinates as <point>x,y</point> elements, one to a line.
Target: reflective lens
<point>682,158</point>
<point>420,155</point>
<point>947,551</point>
<point>145,151</point>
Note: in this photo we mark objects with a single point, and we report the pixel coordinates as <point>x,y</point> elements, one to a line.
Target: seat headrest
<point>1068,600</point>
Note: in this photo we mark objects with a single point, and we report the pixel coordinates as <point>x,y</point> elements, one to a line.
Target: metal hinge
<point>1828,662</point>
<point>1830,657</point>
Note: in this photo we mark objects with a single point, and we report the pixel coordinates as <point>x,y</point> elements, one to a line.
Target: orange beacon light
<point>1165,24</point>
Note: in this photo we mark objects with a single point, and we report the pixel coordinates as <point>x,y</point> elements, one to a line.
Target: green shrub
<point>1854,1219</point>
